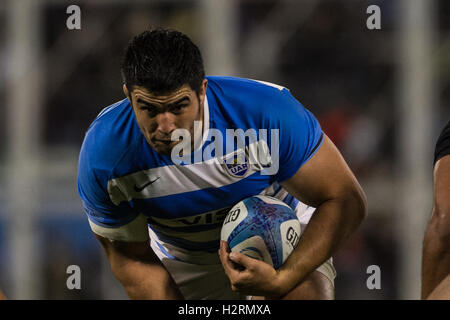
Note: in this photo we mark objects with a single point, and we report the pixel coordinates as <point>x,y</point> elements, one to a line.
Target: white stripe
<point>270,84</point>
<point>136,230</point>
<point>205,121</point>
<point>109,108</point>
<point>175,179</point>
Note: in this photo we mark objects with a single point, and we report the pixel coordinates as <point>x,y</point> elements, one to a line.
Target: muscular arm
<point>436,246</point>
<point>139,270</point>
<point>327,183</point>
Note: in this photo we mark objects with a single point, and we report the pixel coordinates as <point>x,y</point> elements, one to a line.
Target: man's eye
<point>178,107</point>
<point>151,111</point>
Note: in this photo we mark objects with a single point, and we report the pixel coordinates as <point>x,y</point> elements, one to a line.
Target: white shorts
<point>209,281</point>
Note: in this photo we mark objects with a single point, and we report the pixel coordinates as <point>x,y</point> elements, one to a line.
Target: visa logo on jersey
<point>207,218</point>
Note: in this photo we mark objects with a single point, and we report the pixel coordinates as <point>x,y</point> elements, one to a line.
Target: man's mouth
<point>164,141</point>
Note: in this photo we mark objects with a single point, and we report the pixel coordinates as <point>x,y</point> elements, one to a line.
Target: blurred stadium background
<point>381,95</point>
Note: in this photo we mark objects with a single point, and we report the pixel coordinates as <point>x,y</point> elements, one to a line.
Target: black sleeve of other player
<point>443,144</point>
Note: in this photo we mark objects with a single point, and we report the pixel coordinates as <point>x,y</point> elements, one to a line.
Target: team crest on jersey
<point>237,164</point>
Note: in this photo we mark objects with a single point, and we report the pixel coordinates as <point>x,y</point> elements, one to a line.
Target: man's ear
<point>126,92</point>
<point>203,90</point>
<point>204,85</point>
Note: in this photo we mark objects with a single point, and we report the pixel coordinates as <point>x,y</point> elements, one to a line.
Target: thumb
<point>241,259</point>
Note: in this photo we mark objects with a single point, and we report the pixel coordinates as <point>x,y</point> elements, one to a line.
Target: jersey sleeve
<point>443,144</point>
<point>115,222</point>
<point>300,136</point>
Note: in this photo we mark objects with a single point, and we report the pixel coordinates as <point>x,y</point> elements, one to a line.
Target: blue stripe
<point>277,188</point>
<point>194,228</point>
<point>164,251</point>
<point>291,201</point>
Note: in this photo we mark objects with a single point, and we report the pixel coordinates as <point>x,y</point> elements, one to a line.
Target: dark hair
<point>161,61</point>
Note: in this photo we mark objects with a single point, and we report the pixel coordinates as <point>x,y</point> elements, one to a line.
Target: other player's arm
<point>436,246</point>
<point>139,270</point>
<point>2,297</point>
<point>442,291</point>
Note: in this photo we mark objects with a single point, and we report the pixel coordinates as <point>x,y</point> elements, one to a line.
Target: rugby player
<point>436,246</point>
<point>159,220</point>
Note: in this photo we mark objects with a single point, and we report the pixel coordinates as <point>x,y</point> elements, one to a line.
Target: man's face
<point>158,115</point>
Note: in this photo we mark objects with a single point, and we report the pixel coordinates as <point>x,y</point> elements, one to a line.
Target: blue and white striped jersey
<point>125,186</point>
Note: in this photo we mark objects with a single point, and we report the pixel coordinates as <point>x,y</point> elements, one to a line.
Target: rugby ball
<point>263,228</point>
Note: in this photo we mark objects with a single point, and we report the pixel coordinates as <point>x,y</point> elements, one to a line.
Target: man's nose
<point>166,122</point>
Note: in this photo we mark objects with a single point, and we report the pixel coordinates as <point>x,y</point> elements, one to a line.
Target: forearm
<point>139,270</point>
<point>144,280</point>
<point>331,224</point>
<point>435,258</point>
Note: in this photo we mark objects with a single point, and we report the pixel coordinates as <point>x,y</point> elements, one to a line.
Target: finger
<point>242,260</point>
<point>225,246</point>
<point>223,254</point>
<point>229,266</point>
<point>224,257</point>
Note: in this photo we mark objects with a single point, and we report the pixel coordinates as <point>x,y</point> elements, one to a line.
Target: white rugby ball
<point>263,228</point>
